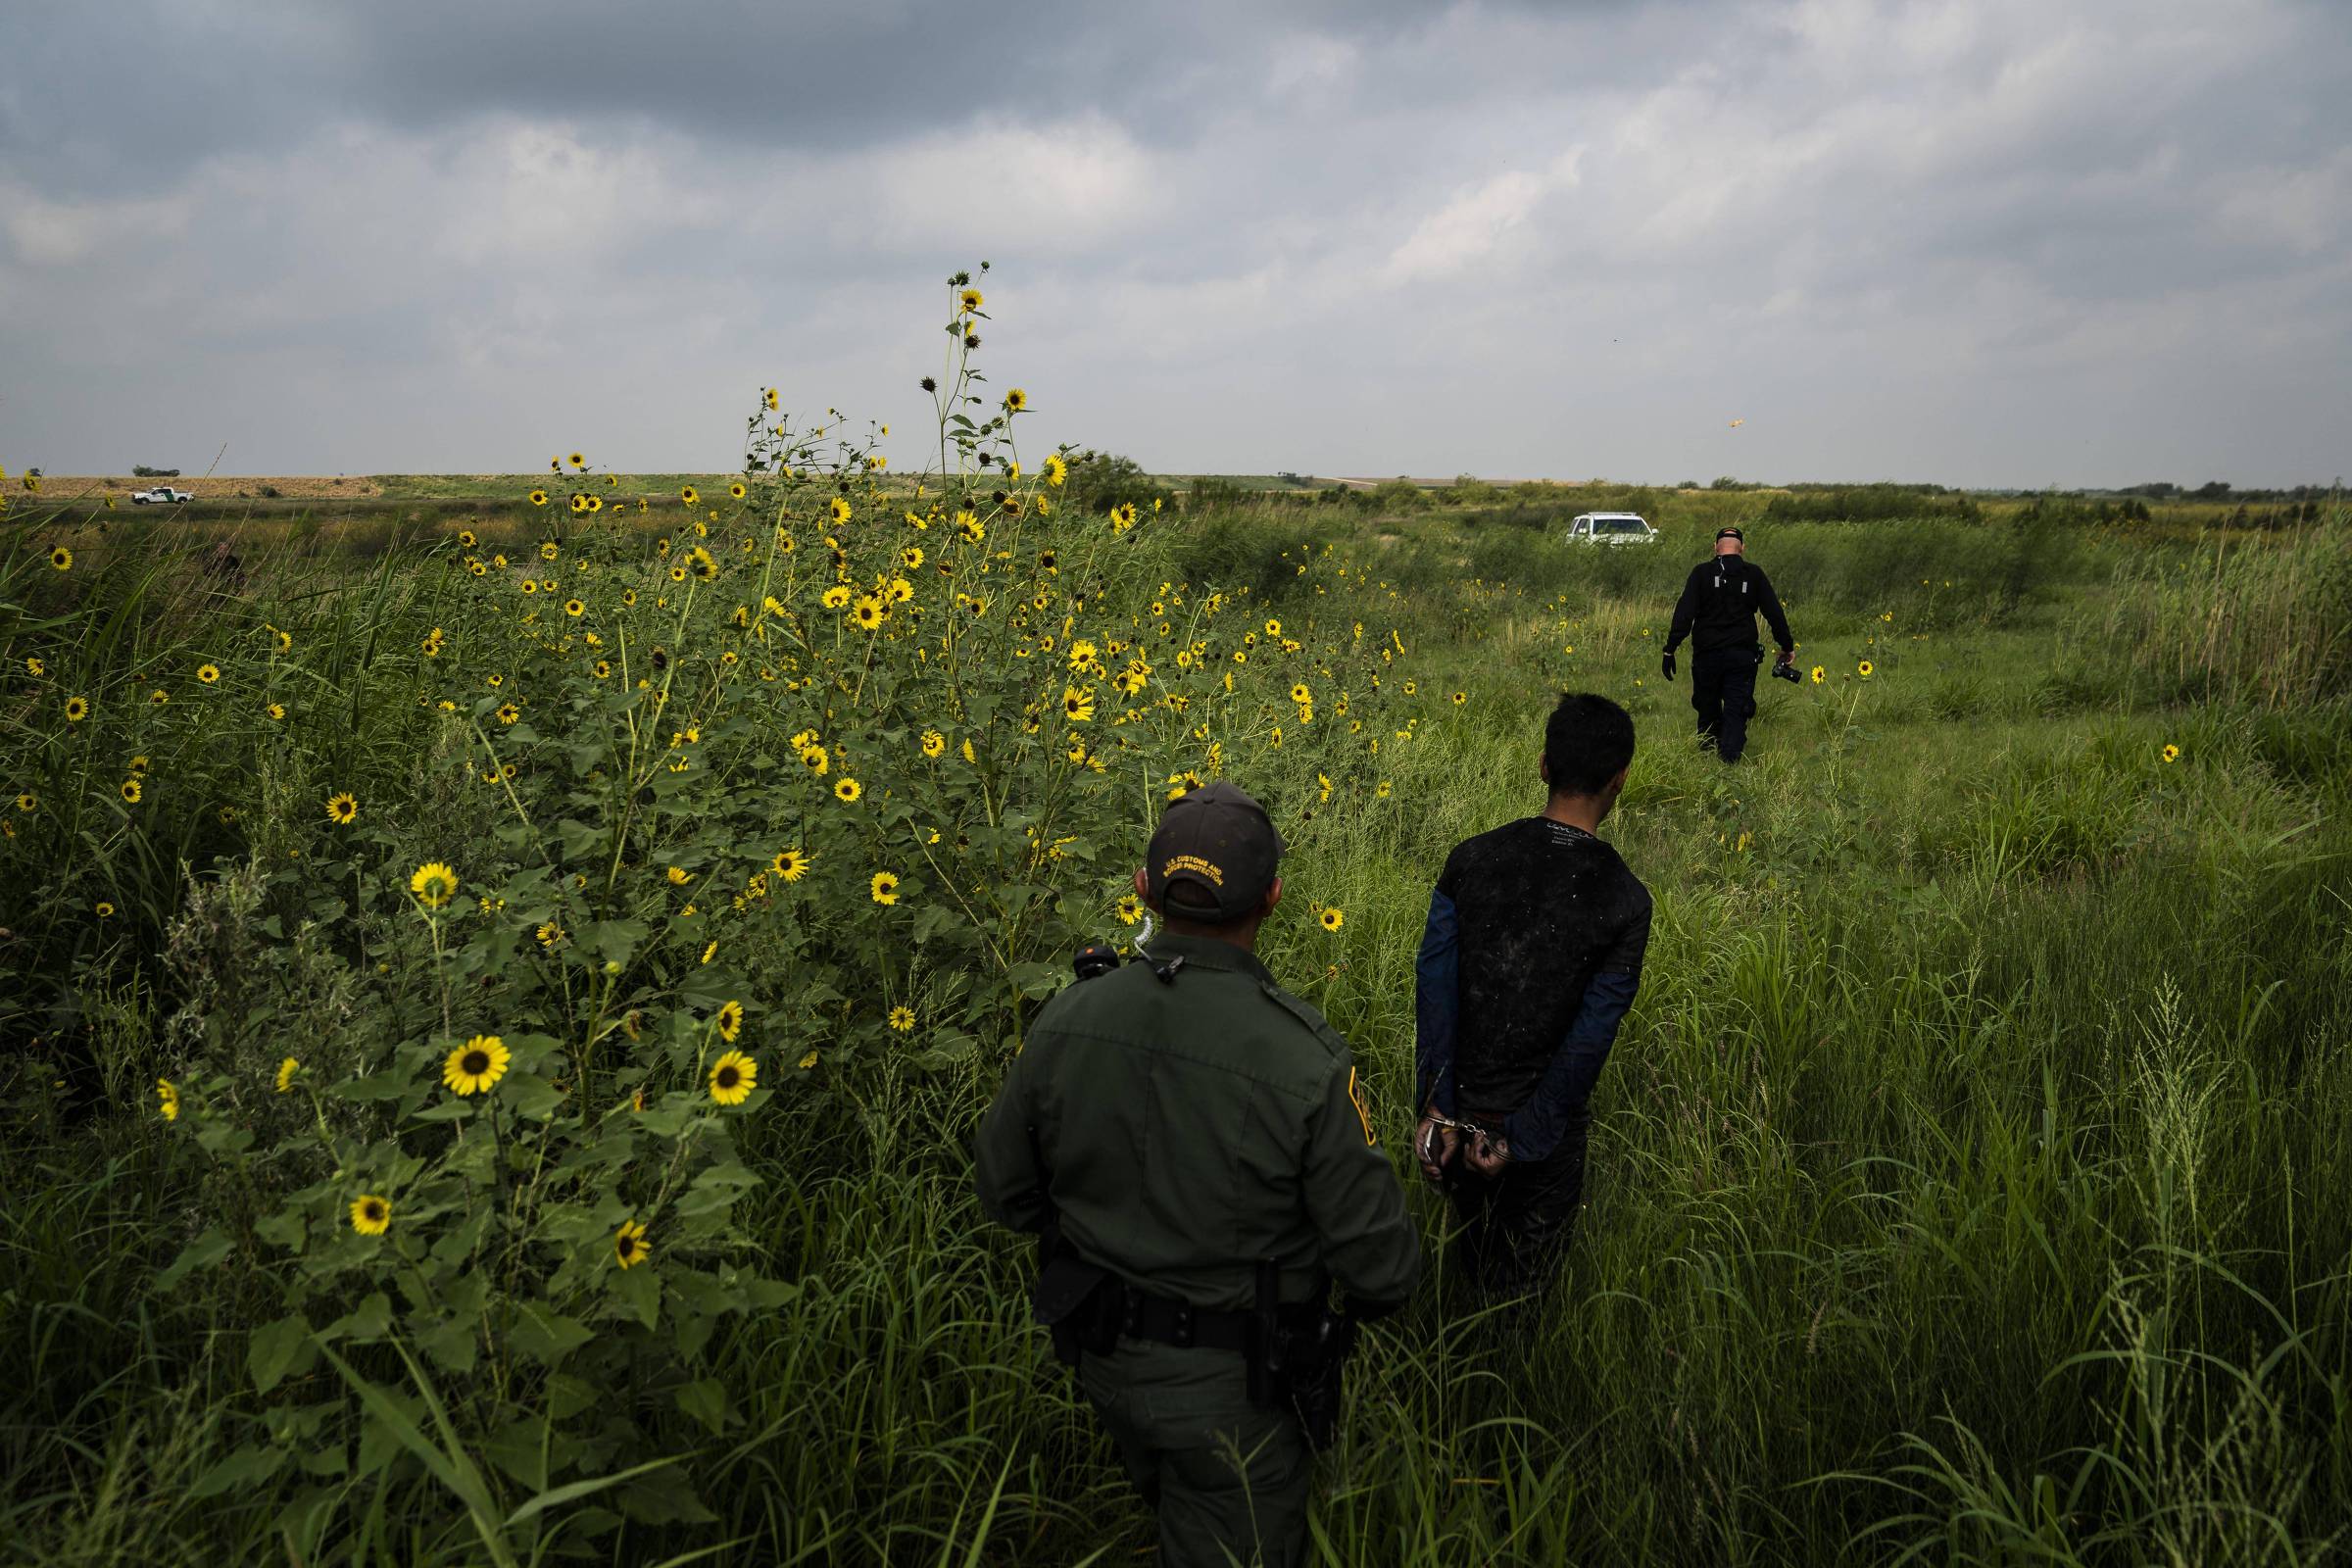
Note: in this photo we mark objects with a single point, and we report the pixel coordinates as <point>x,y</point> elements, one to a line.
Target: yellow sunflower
<point>902,1019</point>
<point>167,1093</point>
<point>1865,669</point>
<point>342,809</point>
<point>816,759</point>
<point>77,708</point>
<point>2172,754</point>
<point>538,498</point>
<point>62,559</point>
<point>1820,674</point>
<point>733,1077</point>
<point>935,744</point>
<point>847,789</point>
<point>1332,918</point>
<point>475,1065</point>
<point>729,1021</point>
<point>791,864</point>
<point>885,888</point>
<point>628,1244</point>
<point>207,674</point>
<point>286,1070</point>
<point>434,884</point>
<point>370,1215</point>
<point>130,792</point>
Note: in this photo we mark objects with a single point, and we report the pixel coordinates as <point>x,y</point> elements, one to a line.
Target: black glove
<point>1666,664</point>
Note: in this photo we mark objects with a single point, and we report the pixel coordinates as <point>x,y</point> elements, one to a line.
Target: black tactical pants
<point>1516,1223</point>
<point>1722,688</point>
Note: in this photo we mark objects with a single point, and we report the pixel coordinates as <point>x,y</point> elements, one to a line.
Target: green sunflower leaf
<point>707,1402</point>
<point>546,1337</point>
<point>203,1253</point>
<point>272,1350</point>
<point>247,1466</point>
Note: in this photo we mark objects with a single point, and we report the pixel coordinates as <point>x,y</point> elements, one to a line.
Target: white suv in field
<point>1611,528</point>
<point>162,495</point>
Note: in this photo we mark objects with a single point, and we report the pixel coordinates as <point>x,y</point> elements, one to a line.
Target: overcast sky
<point>1986,241</point>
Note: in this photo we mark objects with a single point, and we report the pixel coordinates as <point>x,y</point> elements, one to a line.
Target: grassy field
<point>1964,1187</point>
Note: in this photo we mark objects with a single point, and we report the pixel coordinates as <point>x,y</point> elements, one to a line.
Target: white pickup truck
<point>1611,528</point>
<point>162,495</point>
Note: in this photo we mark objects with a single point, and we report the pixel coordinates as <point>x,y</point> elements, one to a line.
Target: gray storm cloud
<point>1990,242</point>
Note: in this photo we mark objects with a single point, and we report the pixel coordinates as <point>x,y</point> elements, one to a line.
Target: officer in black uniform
<point>1718,613</point>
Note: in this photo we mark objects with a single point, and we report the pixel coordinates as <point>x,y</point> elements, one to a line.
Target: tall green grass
<point>1965,1187</point>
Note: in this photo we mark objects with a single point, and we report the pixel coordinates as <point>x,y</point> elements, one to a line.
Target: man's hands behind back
<point>1435,1143</point>
<point>1439,1139</point>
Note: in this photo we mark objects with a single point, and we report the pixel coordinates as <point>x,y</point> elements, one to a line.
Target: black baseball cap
<point>1731,533</point>
<point>1214,855</point>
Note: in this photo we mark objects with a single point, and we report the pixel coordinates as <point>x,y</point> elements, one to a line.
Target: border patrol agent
<point>1192,1145</point>
<point>1721,601</point>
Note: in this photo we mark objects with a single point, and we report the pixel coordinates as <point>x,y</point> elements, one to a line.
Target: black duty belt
<point>1143,1315</point>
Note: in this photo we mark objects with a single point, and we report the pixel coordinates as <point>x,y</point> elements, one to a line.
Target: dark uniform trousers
<point>1516,1223</point>
<point>1177,1125</point>
<point>1227,1477</point>
<point>1722,688</point>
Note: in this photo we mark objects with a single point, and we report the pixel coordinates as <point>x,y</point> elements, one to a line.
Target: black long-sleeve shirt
<point>1529,959</point>
<point>1720,603</point>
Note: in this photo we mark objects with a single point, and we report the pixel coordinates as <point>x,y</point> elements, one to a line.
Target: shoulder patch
<point>1364,1110</point>
<point>1306,1014</point>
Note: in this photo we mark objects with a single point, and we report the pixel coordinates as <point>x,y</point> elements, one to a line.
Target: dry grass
<point>221,487</point>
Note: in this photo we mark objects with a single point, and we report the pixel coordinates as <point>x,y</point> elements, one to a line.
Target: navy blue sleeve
<point>1559,1105</point>
<point>1437,1003</point>
<point>1686,609</point>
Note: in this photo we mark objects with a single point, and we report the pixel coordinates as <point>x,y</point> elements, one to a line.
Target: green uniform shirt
<point>1182,1130</point>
